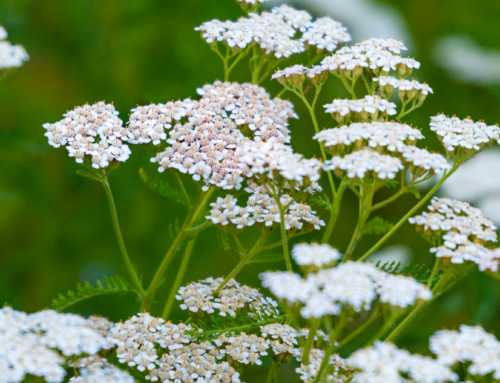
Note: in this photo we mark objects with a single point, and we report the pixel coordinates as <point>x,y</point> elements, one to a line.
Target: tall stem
<point>334,212</point>
<point>123,249</point>
<point>255,249</point>
<point>365,203</point>
<point>310,340</point>
<point>193,213</point>
<point>360,329</point>
<point>178,279</point>
<point>409,214</point>
<point>284,237</point>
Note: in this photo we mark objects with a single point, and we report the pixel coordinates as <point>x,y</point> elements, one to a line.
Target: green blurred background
<point>55,226</point>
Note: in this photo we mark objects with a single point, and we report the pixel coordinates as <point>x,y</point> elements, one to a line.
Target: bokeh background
<point>55,227</point>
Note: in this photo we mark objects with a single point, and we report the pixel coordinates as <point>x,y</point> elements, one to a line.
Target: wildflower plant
<point>233,143</point>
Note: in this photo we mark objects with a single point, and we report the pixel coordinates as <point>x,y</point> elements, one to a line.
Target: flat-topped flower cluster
<point>11,56</point>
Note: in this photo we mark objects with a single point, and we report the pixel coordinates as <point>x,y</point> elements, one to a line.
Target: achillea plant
<point>233,143</point>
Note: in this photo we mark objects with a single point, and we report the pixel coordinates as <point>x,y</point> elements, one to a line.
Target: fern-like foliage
<point>273,257</point>
<point>112,285</point>
<point>223,238</point>
<point>419,272</point>
<point>377,226</point>
<point>246,320</point>
<point>321,200</point>
<point>162,188</point>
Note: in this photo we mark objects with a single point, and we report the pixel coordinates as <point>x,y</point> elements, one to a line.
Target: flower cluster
<point>282,339</point>
<point>205,146</point>
<point>365,163</point>
<point>337,367</point>
<point>95,369</point>
<point>243,348</point>
<point>407,90</point>
<point>325,34</point>
<point>384,362</point>
<point>351,285</point>
<point>11,56</point>
<point>380,56</point>
<point>80,128</point>
<point>277,161</point>
<point>32,344</point>
<point>367,108</point>
<point>458,230</point>
<point>274,32</point>
<point>137,342</point>
<point>315,256</point>
<point>463,136</point>
<point>198,298</point>
<point>470,345</point>
<point>392,138</point>
<point>385,137</point>
<point>262,208</point>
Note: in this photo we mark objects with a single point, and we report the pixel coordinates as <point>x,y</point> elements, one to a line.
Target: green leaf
<point>415,192</point>
<point>248,319</point>
<point>377,226</point>
<point>161,187</point>
<point>112,285</point>
<point>267,258</point>
<point>421,273</point>
<point>87,174</point>
<point>391,184</point>
<point>223,240</point>
<point>321,200</point>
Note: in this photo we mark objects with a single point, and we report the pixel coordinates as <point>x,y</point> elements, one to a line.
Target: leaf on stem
<point>391,184</point>
<point>419,272</point>
<point>112,285</point>
<point>321,200</point>
<point>377,226</point>
<point>415,192</point>
<point>224,240</point>
<point>87,174</point>
<point>161,187</point>
<point>276,257</point>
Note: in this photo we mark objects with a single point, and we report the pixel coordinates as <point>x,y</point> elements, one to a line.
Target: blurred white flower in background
<point>468,61</point>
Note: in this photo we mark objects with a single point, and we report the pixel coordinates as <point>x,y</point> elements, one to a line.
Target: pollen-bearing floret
<point>92,134</point>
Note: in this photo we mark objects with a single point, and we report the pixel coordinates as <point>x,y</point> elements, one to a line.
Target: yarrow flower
<point>380,56</point>
<point>353,285</point>
<point>471,346</point>
<point>325,34</point>
<point>263,209</point>
<point>95,369</point>
<point>365,163</point>
<point>276,160</point>
<point>205,145</point>
<point>81,127</point>
<point>198,298</point>
<point>408,90</point>
<point>463,136</point>
<point>459,231</point>
<point>38,344</point>
<point>315,255</point>
<point>384,362</point>
<point>337,367</point>
<point>11,56</point>
<point>367,108</point>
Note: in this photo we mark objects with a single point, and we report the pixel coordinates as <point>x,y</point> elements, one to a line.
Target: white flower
<point>463,135</point>
<point>468,345</point>
<point>325,34</point>
<point>367,108</point>
<point>315,254</point>
<point>11,56</point>
<point>95,369</point>
<point>80,128</point>
<point>365,163</point>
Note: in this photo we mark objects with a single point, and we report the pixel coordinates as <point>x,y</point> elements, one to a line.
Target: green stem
<point>270,376</point>
<point>409,214</point>
<point>255,249</point>
<point>178,279</point>
<point>284,237</point>
<point>365,203</point>
<point>310,340</point>
<point>334,212</point>
<point>360,329</point>
<point>434,270</point>
<point>123,249</point>
<point>329,351</point>
<point>193,214</point>
<point>183,189</point>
